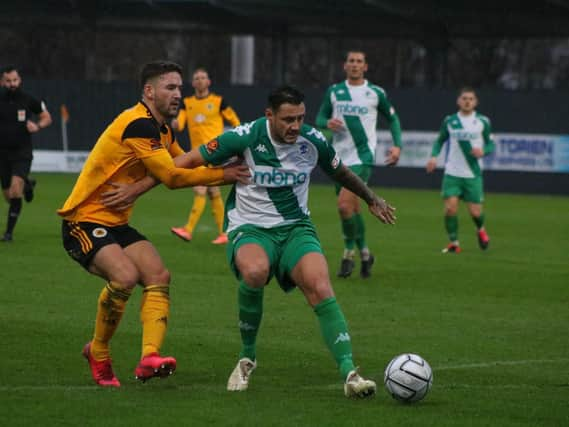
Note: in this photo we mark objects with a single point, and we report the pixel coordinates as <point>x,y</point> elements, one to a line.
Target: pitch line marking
<point>499,363</point>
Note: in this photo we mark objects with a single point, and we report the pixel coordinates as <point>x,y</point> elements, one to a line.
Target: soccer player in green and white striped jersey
<point>350,110</point>
<point>270,231</point>
<point>469,135</point>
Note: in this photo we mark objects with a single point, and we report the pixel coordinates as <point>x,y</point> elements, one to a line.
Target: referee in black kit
<point>20,115</point>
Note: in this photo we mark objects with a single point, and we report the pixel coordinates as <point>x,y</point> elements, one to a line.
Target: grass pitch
<point>493,325</point>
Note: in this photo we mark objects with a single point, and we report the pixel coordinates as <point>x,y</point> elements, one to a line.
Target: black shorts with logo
<point>82,240</point>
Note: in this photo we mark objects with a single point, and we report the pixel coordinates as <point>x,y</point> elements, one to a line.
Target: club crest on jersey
<point>303,148</point>
<point>155,144</point>
<point>212,146</point>
<point>99,232</point>
<point>261,148</point>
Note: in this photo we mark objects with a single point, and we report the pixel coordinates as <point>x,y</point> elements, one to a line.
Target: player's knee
<point>255,274</point>
<point>163,277</point>
<point>126,277</point>
<point>345,209</point>
<point>451,210</point>
<point>318,291</point>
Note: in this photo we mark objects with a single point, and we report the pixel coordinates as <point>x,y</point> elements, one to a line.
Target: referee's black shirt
<point>16,108</point>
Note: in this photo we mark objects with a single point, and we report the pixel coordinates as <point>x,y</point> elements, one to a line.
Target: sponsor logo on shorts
<point>99,232</point>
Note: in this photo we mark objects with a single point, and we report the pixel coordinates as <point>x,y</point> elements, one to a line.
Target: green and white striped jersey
<point>358,107</point>
<point>278,193</point>
<point>464,133</point>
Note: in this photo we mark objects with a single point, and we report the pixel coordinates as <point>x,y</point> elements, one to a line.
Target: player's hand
<point>32,127</point>
<point>335,125</point>
<point>477,152</point>
<point>236,173</point>
<point>393,156</point>
<point>431,164</point>
<point>120,197</point>
<point>175,125</point>
<point>382,210</point>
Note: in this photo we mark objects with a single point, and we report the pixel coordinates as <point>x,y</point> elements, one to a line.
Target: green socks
<point>335,333</point>
<point>250,315</point>
<point>479,221</point>
<point>349,229</point>
<point>451,226</point>
<point>360,231</point>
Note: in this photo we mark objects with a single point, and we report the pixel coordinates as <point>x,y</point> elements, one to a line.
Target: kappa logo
<point>342,337</point>
<point>244,326</point>
<point>261,148</point>
<point>99,232</point>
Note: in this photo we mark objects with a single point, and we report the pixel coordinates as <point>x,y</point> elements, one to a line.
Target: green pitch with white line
<point>493,325</point>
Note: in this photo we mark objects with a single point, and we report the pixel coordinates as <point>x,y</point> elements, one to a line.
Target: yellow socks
<point>112,301</point>
<point>196,212</point>
<point>154,311</point>
<point>218,211</point>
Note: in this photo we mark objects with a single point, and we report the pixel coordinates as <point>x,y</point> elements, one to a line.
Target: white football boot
<point>357,387</point>
<point>239,378</point>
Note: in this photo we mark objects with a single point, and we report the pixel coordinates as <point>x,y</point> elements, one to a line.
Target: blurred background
<point>86,55</point>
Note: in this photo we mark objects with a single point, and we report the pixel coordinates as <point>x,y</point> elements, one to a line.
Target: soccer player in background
<point>270,230</point>
<point>469,135</point>
<point>21,115</point>
<point>204,114</point>
<point>96,231</point>
<point>350,110</point>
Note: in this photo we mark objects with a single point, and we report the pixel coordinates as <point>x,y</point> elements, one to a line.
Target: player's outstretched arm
<point>377,205</point>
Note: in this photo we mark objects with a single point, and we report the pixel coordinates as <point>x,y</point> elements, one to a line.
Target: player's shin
<point>360,232</point>
<point>217,210</point>
<point>479,221</point>
<point>349,230</point>
<point>451,227</point>
<point>154,312</point>
<point>250,315</point>
<point>196,212</point>
<point>335,333</point>
<point>111,305</point>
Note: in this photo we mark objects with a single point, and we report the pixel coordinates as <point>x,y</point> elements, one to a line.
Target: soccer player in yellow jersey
<point>204,114</point>
<point>138,143</point>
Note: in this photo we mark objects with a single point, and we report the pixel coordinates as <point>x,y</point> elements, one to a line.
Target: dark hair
<point>467,89</point>
<point>285,95</point>
<point>157,68</point>
<point>9,68</point>
<point>200,70</point>
<point>356,51</point>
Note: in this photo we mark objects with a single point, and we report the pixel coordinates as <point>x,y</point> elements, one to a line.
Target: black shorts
<point>14,163</point>
<point>82,240</point>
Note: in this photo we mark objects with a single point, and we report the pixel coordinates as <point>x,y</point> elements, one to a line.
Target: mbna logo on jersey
<point>271,177</point>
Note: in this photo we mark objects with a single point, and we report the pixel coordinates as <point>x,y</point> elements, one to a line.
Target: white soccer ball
<point>408,378</point>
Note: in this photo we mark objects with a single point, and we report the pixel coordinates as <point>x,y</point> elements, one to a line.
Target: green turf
<point>493,325</point>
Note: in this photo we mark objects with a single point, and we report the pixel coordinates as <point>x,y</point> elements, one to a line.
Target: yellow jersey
<point>133,146</point>
<point>204,118</point>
